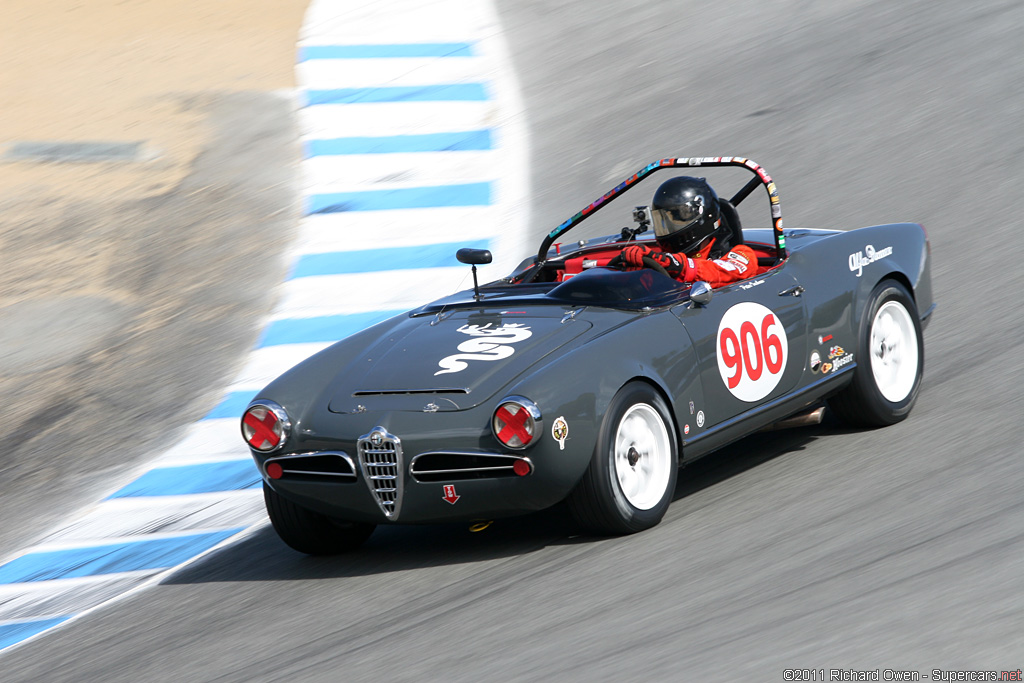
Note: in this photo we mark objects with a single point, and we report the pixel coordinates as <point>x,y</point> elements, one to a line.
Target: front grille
<point>379,455</point>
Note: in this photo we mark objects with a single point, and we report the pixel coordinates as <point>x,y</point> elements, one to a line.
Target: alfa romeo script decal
<point>488,343</point>
<point>752,351</point>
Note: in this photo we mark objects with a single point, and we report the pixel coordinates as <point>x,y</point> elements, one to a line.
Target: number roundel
<point>752,351</point>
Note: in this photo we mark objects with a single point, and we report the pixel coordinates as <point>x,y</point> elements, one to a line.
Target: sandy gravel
<point>129,292</point>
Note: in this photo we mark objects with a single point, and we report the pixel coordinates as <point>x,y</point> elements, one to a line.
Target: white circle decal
<point>752,351</point>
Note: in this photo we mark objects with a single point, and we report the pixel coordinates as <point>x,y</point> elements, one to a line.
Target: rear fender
<point>839,273</point>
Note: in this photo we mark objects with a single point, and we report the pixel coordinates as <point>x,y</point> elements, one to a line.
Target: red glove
<point>634,254</point>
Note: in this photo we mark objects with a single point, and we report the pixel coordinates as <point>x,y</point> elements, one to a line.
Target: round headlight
<point>265,426</point>
<point>516,422</point>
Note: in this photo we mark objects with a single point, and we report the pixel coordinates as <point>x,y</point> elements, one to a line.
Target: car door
<point>751,344</point>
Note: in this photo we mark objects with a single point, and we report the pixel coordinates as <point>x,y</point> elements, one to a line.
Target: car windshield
<point>620,289</point>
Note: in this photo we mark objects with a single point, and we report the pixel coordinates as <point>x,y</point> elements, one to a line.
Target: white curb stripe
<point>358,172</point>
<point>372,119</point>
<point>327,74</point>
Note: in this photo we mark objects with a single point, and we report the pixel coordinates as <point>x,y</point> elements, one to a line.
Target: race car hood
<point>450,361</point>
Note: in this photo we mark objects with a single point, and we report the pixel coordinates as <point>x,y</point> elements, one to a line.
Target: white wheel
<point>632,474</point>
<point>643,456</point>
<point>893,351</point>
<point>890,361</point>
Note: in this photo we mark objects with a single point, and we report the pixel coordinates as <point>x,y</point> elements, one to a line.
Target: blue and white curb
<point>415,146</point>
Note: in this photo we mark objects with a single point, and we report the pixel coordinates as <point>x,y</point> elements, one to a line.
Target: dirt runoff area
<point>131,288</point>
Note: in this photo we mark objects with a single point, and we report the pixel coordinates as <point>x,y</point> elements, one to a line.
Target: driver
<point>694,243</point>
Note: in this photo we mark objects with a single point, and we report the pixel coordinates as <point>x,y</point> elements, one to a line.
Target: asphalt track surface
<point>823,547</point>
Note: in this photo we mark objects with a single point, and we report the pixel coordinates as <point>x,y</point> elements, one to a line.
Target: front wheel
<point>632,474</point>
<point>890,361</point>
<point>310,532</point>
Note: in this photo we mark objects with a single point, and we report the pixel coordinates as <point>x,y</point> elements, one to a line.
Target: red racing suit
<point>739,264</point>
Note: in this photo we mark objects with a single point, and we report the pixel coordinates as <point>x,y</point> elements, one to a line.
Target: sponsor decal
<point>826,368</point>
<point>449,494</point>
<point>752,351</point>
<point>738,258</point>
<point>815,361</point>
<point>835,352</point>
<point>866,257</point>
<point>691,407</point>
<point>776,211</point>
<point>778,225</point>
<point>749,285</point>
<point>487,344</point>
<point>560,431</point>
<point>700,418</point>
<point>589,263</point>
<point>826,338</point>
<point>782,241</point>
<point>686,429</point>
<point>842,361</point>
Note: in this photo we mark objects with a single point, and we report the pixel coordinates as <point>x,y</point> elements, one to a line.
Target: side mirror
<point>475,257</point>
<point>700,293</point>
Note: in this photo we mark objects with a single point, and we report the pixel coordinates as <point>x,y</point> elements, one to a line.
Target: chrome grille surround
<point>380,457</point>
<point>435,466</point>
<point>316,464</point>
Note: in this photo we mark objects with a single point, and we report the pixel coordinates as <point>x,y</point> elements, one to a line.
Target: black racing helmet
<point>684,213</point>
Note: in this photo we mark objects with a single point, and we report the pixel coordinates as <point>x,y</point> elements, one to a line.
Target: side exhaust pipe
<point>807,419</point>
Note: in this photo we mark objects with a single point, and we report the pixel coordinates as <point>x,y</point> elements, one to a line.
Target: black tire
<point>601,502</point>
<point>310,532</point>
<point>887,379</point>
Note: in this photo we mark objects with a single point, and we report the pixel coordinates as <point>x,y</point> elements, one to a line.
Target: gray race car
<point>572,379</point>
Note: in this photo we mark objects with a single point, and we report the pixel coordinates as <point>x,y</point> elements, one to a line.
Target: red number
<point>731,356</point>
<point>747,329</point>
<point>752,351</point>
<point>771,341</point>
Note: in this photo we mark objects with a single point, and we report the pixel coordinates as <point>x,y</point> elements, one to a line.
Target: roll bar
<point>760,178</point>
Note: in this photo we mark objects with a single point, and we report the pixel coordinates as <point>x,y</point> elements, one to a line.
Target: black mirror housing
<point>475,257</point>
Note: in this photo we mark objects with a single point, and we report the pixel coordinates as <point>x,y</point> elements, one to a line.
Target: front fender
<point>578,385</point>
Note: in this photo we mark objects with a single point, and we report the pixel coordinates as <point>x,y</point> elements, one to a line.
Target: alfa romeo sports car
<point>574,379</point>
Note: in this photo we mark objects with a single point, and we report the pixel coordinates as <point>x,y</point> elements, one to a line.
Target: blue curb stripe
<point>235,475</point>
<point>463,141</point>
<point>472,194</point>
<point>328,328</point>
<point>376,260</point>
<point>385,51</point>
<point>233,405</point>
<point>110,559</point>
<point>11,634</point>
<point>445,92</point>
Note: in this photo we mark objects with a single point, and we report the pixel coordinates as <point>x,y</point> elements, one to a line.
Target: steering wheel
<point>647,261</point>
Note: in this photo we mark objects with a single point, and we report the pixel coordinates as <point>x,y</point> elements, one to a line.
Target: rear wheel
<point>632,474</point>
<point>890,361</point>
<point>310,532</point>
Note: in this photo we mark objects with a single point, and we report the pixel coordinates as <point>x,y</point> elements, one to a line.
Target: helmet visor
<point>671,220</point>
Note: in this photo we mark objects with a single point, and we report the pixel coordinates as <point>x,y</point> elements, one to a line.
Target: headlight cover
<point>265,426</point>
<point>516,422</point>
